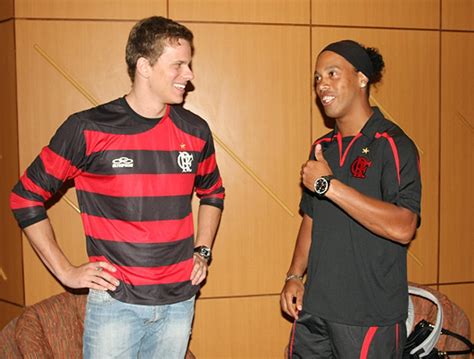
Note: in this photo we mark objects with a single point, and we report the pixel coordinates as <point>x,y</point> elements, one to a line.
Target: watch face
<point>205,252</point>
<point>321,186</point>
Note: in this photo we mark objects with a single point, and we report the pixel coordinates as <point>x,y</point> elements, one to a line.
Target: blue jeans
<point>113,329</point>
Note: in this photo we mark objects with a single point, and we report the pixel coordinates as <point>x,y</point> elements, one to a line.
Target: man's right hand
<point>291,297</point>
<point>93,275</point>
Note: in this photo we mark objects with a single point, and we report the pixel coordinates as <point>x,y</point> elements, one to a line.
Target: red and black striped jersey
<point>134,179</point>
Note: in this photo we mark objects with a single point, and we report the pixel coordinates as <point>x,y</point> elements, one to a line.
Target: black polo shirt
<point>354,276</point>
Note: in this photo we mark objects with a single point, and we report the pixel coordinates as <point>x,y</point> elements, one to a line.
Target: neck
<point>352,123</point>
<point>143,104</point>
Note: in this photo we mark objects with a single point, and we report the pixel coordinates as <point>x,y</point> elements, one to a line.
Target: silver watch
<point>321,185</point>
<point>204,252</point>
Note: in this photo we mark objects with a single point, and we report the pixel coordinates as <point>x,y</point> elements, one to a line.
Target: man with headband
<point>361,208</point>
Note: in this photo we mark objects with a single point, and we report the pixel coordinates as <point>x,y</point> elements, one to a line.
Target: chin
<point>177,100</point>
<point>331,113</point>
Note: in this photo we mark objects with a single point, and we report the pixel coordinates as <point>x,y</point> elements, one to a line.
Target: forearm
<point>299,262</point>
<point>291,298</point>
<point>43,241</point>
<point>382,218</point>
<point>208,222</point>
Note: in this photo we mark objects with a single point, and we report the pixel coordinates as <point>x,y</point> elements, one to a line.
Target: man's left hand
<point>199,272</point>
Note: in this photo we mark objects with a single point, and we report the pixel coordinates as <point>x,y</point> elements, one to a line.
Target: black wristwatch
<point>321,185</point>
<point>204,252</point>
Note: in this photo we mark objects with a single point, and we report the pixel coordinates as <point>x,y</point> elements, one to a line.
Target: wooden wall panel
<point>89,9</point>
<point>458,15</point>
<point>463,296</point>
<point>419,14</point>
<point>254,11</point>
<point>99,68</point>
<point>255,95</point>
<point>8,311</point>
<point>239,328</point>
<point>11,271</point>
<point>414,108</point>
<point>7,9</point>
<point>457,158</point>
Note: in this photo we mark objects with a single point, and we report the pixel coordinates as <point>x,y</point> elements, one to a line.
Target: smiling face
<point>338,85</point>
<point>171,72</point>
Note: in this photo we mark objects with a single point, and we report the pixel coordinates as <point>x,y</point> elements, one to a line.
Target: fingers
<point>95,275</point>
<point>309,173</point>
<point>99,277</point>
<point>199,272</point>
<point>313,169</point>
<point>286,302</point>
<point>105,265</point>
<point>299,303</point>
<point>318,152</point>
<point>291,299</point>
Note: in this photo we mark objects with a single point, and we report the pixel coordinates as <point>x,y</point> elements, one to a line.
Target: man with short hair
<point>136,162</point>
<point>361,208</point>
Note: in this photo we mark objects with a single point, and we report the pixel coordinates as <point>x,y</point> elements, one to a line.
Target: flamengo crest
<point>185,160</point>
<point>359,167</point>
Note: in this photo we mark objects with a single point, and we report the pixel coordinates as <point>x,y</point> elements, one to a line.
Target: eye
<point>332,73</point>
<point>317,78</point>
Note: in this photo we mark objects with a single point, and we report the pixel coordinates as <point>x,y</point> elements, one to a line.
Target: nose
<point>188,73</point>
<point>322,85</point>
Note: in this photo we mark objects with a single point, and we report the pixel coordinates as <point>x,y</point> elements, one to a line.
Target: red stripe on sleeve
<point>394,151</point>
<point>138,232</point>
<point>174,273</point>
<point>367,341</point>
<point>137,185</point>
<point>207,166</point>
<point>17,202</point>
<point>56,165</point>
<point>208,192</point>
<point>33,187</point>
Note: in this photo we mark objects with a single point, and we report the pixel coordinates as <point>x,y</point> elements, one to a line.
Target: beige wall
<point>11,274</point>
<point>254,66</point>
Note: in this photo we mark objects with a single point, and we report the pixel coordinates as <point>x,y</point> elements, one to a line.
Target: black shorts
<point>314,337</point>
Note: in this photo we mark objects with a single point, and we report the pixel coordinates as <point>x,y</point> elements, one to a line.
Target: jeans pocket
<point>99,297</point>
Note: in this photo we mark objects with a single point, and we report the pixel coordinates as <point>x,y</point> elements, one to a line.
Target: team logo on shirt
<point>185,160</point>
<point>122,162</point>
<point>360,166</point>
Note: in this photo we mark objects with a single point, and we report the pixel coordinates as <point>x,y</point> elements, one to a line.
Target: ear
<point>143,68</point>
<point>363,80</point>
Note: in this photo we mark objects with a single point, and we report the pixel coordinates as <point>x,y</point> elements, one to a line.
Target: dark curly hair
<point>378,65</point>
<point>148,39</point>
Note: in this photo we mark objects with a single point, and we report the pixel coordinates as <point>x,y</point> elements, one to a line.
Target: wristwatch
<point>204,252</point>
<point>321,185</point>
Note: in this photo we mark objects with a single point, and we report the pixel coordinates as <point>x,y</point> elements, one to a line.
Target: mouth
<point>180,87</point>
<point>327,99</point>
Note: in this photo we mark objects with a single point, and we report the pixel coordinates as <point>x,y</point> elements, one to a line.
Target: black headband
<point>355,54</point>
